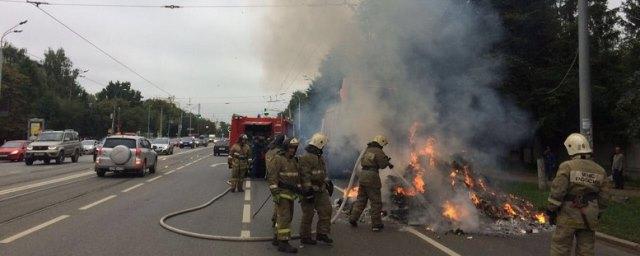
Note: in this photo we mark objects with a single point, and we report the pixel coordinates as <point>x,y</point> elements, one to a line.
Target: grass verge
<point>619,220</point>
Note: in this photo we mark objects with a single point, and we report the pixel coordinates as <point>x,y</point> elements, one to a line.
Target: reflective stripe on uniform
<point>286,196</point>
<point>284,231</point>
<point>317,172</point>
<point>288,174</point>
<point>554,202</point>
<point>273,186</point>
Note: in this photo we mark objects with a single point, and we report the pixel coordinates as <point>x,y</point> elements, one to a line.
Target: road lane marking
<point>179,167</point>
<point>248,184</point>
<point>132,187</point>
<point>420,235</point>
<point>33,229</point>
<point>245,234</point>
<point>152,179</point>
<point>44,183</point>
<point>169,172</point>
<point>247,195</point>
<point>430,241</point>
<point>246,214</point>
<point>96,203</point>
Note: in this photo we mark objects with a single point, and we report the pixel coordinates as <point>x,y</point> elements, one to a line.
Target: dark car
<point>13,150</point>
<point>187,142</point>
<point>221,146</point>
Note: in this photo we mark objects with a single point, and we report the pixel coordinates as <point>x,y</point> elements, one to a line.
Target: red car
<point>13,150</point>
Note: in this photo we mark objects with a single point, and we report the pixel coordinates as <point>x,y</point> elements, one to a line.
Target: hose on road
<point>209,236</point>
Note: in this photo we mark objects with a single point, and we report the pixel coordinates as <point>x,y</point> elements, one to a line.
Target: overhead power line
<point>37,5</point>
<point>332,4</point>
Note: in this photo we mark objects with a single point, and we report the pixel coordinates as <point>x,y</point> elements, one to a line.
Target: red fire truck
<point>264,126</point>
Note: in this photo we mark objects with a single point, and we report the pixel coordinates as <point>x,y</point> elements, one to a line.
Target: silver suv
<point>125,153</point>
<point>54,145</point>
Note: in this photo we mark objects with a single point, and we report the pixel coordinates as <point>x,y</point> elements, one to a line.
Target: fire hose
<point>345,193</point>
<point>209,236</point>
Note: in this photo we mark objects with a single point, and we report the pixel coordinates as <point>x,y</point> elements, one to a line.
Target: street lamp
<point>9,31</point>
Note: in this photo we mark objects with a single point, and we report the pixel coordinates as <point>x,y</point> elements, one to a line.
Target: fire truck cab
<point>259,130</point>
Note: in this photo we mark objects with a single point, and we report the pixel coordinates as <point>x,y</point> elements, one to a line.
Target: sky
<point>211,55</point>
<point>208,54</point>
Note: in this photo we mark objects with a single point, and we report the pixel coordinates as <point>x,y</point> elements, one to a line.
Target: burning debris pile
<point>452,196</point>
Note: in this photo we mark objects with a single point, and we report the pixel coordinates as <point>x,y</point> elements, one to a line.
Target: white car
<point>124,153</point>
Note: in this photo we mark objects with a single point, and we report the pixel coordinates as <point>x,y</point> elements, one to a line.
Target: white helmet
<point>319,140</point>
<point>577,143</point>
<point>381,139</point>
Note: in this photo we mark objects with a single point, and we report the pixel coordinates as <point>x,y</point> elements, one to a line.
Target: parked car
<point>203,142</point>
<point>162,146</point>
<point>187,142</point>
<point>89,147</point>
<point>54,145</point>
<point>222,146</point>
<point>175,142</point>
<point>13,150</point>
<point>126,153</point>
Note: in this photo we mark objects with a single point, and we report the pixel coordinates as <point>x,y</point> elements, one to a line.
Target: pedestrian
<point>239,154</point>
<point>617,168</point>
<point>579,194</point>
<point>284,184</point>
<point>550,163</point>
<point>373,160</point>
<point>276,148</point>
<point>315,184</point>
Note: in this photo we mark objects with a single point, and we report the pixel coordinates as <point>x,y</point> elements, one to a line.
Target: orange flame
<point>353,192</point>
<point>474,198</point>
<point>509,209</point>
<point>418,182</point>
<point>541,218</point>
<point>450,212</point>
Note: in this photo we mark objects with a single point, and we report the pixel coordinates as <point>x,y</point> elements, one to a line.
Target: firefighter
<point>284,184</point>
<point>240,153</point>
<point>579,194</point>
<point>276,148</point>
<point>315,187</point>
<point>372,161</point>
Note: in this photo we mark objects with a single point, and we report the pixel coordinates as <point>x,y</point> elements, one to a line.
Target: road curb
<point>618,241</point>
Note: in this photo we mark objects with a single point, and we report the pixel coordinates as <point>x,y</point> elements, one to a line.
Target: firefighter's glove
<point>553,215</point>
<point>329,186</point>
<point>308,195</point>
<point>390,166</point>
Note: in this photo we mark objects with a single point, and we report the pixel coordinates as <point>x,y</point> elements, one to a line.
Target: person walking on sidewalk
<point>617,168</point>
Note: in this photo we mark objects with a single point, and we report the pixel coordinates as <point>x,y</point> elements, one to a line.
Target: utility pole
<point>190,115</point>
<point>149,122</point>
<point>160,127</point>
<point>180,126</point>
<point>586,127</point>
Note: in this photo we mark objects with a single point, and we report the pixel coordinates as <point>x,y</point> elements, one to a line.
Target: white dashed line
<point>132,188</point>
<point>96,203</point>
<point>169,172</point>
<point>247,184</point>
<point>246,213</point>
<point>152,179</point>
<point>430,241</point>
<point>245,233</point>
<point>247,195</point>
<point>44,183</point>
<point>33,229</point>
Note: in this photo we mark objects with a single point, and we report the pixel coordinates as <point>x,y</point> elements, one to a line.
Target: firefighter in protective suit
<point>284,184</point>
<point>276,148</point>
<point>373,160</point>
<point>579,194</point>
<point>315,184</point>
<point>240,161</point>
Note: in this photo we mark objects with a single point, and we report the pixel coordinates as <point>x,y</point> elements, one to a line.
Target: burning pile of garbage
<point>449,195</point>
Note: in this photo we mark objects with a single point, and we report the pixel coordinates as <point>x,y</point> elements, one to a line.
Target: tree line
<point>49,89</point>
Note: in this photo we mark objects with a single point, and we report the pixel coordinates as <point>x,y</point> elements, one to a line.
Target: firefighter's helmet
<point>292,142</point>
<point>319,140</point>
<point>244,137</point>
<point>577,143</point>
<point>381,140</point>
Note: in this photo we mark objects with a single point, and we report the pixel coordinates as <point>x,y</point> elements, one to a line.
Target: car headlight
<point>14,152</point>
<point>53,147</point>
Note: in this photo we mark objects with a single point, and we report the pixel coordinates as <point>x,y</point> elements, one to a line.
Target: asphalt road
<point>67,210</point>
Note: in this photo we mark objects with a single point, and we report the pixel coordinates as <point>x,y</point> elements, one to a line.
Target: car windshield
<point>12,144</point>
<point>113,142</point>
<point>88,142</point>
<point>50,136</point>
<point>187,138</point>
<point>222,143</point>
<point>160,141</point>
